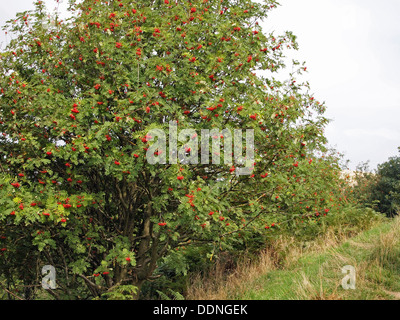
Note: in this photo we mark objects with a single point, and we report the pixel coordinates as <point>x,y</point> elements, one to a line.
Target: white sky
<point>352,50</point>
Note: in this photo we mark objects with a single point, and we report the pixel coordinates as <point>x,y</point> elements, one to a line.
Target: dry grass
<point>371,274</point>
<point>281,254</point>
<point>396,295</point>
<point>307,290</point>
<point>218,285</point>
<point>384,250</point>
<point>372,258</point>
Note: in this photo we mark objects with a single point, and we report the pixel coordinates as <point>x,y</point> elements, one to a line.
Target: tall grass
<point>285,254</point>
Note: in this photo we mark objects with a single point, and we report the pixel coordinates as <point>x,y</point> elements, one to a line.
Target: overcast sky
<point>352,50</point>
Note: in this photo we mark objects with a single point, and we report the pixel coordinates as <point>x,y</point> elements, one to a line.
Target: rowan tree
<point>78,99</point>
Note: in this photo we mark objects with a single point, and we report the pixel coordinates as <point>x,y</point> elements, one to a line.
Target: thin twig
<point>13,294</point>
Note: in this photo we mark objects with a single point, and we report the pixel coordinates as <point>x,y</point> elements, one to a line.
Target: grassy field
<point>292,272</point>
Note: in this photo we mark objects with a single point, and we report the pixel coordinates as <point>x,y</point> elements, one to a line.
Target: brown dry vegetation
<point>311,272</point>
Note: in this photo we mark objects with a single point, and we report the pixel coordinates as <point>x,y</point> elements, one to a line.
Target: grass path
<point>375,255</point>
